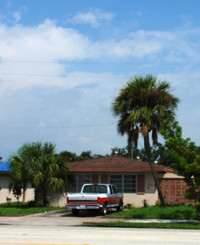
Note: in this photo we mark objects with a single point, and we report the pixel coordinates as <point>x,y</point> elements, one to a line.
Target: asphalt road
<point>63,229</point>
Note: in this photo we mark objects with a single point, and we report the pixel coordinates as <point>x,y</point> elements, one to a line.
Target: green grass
<point>13,209</point>
<point>146,225</point>
<point>179,212</point>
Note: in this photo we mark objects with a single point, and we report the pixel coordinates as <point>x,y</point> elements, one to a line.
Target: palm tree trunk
<point>132,149</point>
<point>151,164</point>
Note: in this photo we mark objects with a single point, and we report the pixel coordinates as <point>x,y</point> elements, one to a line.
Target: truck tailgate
<point>82,198</point>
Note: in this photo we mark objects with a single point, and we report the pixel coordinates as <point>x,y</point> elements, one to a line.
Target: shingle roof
<point>115,164</point>
<point>4,167</point>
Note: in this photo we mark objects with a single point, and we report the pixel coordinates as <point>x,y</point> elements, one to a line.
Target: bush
<point>129,206</point>
<point>145,203</point>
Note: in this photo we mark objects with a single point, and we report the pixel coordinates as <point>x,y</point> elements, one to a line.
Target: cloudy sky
<point>62,62</point>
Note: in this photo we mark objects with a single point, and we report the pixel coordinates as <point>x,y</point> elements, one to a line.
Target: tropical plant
<point>184,157</point>
<point>38,163</point>
<point>145,105</point>
<point>48,171</point>
<point>20,173</point>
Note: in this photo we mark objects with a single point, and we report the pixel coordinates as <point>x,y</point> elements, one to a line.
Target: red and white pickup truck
<point>95,196</point>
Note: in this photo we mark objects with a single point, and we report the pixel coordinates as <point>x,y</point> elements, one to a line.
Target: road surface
<point>63,229</point>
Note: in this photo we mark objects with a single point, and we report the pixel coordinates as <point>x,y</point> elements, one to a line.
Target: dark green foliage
<point>16,190</point>
<point>38,163</point>
<point>73,157</point>
<point>145,105</point>
<point>184,157</point>
<point>20,175</point>
<point>129,152</point>
<point>23,208</point>
<point>179,212</point>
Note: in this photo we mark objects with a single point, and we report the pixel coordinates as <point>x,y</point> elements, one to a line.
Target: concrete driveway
<point>59,217</point>
<point>65,218</point>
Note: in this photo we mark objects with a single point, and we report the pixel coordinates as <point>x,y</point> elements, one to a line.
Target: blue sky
<point>63,62</point>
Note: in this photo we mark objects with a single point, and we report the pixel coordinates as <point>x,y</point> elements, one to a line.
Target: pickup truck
<point>95,196</point>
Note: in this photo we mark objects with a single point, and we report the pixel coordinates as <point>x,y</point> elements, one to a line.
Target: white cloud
<point>93,17</point>
<point>38,89</point>
<point>45,42</point>
<point>84,140</point>
<point>38,51</point>
<point>17,16</point>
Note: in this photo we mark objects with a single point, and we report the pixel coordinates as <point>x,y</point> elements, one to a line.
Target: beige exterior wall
<point>57,199</point>
<point>4,191</point>
<point>137,200</point>
<point>171,176</point>
<point>151,194</point>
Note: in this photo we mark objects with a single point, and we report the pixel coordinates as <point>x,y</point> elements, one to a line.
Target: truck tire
<point>75,212</point>
<point>120,207</point>
<point>103,210</point>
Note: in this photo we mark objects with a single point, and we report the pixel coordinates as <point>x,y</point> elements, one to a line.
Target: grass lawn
<point>13,209</point>
<point>179,212</point>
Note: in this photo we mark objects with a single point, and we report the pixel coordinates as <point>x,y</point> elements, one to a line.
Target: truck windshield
<point>95,189</point>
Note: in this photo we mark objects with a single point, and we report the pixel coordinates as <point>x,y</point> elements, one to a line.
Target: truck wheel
<point>120,207</point>
<point>75,212</point>
<point>103,210</point>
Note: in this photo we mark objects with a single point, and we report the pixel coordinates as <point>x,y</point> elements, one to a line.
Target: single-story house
<point>55,199</point>
<point>5,194</point>
<point>131,177</point>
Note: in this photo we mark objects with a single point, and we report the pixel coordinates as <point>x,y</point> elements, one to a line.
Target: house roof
<point>115,164</point>
<point>4,167</point>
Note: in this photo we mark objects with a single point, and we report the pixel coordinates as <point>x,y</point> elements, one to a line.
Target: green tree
<point>73,157</point>
<point>16,189</point>
<point>129,152</point>
<point>49,171</point>
<point>86,155</point>
<point>68,156</point>
<point>20,173</point>
<point>39,164</point>
<point>184,157</point>
<point>145,105</point>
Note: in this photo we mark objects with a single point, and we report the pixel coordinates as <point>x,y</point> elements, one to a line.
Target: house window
<point>78,181</point>
<point>124,183</point>
<point>82,179</point>
<point>116,180</point>
<point>129,183</point>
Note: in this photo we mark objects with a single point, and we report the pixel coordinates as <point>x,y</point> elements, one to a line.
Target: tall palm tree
<point>145,105</point>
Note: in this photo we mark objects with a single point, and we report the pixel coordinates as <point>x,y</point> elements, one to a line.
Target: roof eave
<point>116,170</point>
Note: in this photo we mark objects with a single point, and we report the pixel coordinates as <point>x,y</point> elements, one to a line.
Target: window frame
<point>77,183</point>
<point>122,181</point>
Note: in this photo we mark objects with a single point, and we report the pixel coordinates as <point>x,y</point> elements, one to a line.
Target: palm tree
<point>145,105</point>
<point>49,171</point>
<point>20,173</point>
<point>39,164</point>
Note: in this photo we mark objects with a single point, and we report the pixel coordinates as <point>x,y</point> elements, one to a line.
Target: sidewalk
<point>65,218</point>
